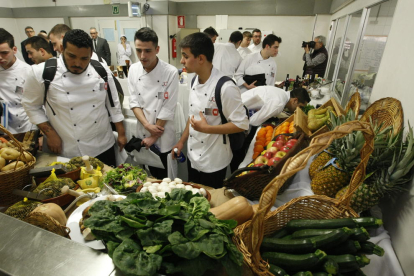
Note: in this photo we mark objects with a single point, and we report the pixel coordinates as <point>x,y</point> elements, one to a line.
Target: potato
<point>26,157</point>
<point>11,166</point>
<point>2,162</point>
<point>10,154</point>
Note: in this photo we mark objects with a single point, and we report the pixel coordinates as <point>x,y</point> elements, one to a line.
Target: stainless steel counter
<point>28,250</point>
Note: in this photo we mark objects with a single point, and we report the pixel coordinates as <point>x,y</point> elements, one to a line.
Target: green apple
<point>270,144</point>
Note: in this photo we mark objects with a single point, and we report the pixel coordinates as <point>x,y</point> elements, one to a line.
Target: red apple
<point>279,144</point>
<point>293,140</point>
<point>269,154</point>
<point>290,143</point>
<point>285,149</point>
<point>273,149</point>
<point>257,165</point>
<point>261,160</point>
<point>272,161</point>
<point>277,158</point>
<point>280,154</point>
<point>281,138</point>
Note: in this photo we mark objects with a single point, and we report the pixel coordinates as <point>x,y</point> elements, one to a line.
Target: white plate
<point>73,224</point>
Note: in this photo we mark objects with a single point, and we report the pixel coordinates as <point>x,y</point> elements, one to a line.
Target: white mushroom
<point>168,180</point>
<point>178,180</point>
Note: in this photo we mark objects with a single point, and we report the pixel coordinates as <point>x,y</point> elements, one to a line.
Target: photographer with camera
<point>315,62</point>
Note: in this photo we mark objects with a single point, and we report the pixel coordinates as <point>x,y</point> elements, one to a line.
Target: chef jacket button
<point>93,105</point>
<point>200,154</point>
<point>19,126</point>
<point>191,136</point>
<point>203,111</point>
<point>156,96</point>
<point>205,94</point>
<point>139,94</point>
<point>155,110</point>
<point>95,122</point>
<point>16,78</point>
<point>64,76</point>
<point>16,103</point>
<point>78,140</point>
<point>139,79</point>
<point>71,108</point>
<point>158,81</point>
<point>193,88</point>
<point>202,142</point>
<point>191,149</point>
<point>67,92</point>
<point>191,105</point>
<point>93,90</point>
<point>74,124</point>
<point>17,115</point>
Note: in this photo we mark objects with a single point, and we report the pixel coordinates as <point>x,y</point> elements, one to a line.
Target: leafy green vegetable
<point>125,178</point>
<point>307,107</point>
<point>176,234</point>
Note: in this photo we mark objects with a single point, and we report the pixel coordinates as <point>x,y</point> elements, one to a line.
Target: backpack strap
<point>104,75</point>
<point>217,96</point>
<point>193,80</point>
<point>48,75</point>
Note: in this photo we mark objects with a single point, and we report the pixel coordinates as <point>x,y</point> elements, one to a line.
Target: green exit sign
<point>115,9</point>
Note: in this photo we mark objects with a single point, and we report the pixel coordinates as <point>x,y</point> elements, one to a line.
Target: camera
<point>310,44</point>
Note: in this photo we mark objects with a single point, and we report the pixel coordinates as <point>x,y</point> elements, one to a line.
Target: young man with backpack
<point>208,137</point>
<point>71,108</point>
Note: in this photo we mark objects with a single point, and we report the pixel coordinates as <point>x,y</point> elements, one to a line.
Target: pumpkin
<point>237,208</point>
<point>53,210</point>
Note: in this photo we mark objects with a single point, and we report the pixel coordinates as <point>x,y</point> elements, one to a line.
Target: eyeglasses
<point>30,31</point>
<point>257,36</point>
<point>93,33</point>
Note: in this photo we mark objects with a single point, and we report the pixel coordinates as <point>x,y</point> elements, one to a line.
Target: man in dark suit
<point>100,46</point>
<point>29,32</point>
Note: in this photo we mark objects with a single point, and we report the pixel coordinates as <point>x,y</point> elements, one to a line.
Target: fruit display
<point>275,151</point>
<point>173,235</point>
<point>263,137</point>
<point>11,159</point>
<point>321,247</point>
<point>319,117</point>
<point>285,127</point>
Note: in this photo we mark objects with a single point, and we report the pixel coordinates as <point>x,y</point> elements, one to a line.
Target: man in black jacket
<point>100,46</point>
<point>316,62</point>
<point>29,32</point>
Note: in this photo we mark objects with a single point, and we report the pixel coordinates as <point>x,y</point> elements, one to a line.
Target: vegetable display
<point>321,247</point>
<point>175,234</point>
<point>125,178</point>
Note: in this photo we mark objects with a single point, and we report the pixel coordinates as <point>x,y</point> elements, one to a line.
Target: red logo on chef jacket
<point>166,95</point>
<point>215,112</point>
<point>106,86</point>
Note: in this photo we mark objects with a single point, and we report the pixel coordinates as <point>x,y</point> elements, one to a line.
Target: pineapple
<point>391,172</point>
<point>319,162</point>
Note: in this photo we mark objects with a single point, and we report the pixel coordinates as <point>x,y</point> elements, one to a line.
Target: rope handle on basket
<point>299,162</point>
<point>3,129</point>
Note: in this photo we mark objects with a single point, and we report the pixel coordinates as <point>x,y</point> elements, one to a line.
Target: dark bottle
<point>287,82</point>
<point>180,158</point>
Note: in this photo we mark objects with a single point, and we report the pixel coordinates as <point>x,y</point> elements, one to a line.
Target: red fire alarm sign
<point>181,21</point>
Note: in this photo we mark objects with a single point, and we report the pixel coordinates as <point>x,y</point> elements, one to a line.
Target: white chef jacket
<point>81,106</point>
<point>11,91</point>
<point>123,54</point>
<point>244,51</point>
<point>274,101</point>
<point>255,64</point>
<point>226,58</point>
<point>207,152</point>
<point>156,93</point>
<point>255,48</point>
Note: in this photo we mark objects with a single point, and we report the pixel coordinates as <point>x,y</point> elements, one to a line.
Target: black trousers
<point>239,155</point>
<point>108,157</point>
<point>214,179</point>
<point>125,69</point>
<point>159,173</point>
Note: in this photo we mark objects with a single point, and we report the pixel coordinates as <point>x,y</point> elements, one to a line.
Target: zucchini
<point>348,262</point>
<point>292,262</point>
<point>368,222</point>
<point>332,239</point>
<point>300,224</point>
<point>371,248</point>
<point>279,234</point>
<point>288,237</point>
<point>277,271</point>
<point>347,247</point>
<point>331,266</point>
<point>303,273</point>
<point>287,245</point>
<point>358,234</point>
<point>364,260</point>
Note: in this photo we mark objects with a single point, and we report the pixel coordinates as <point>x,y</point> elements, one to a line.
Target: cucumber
<point>368,222</point>
<point>300,224</point>
<point>303,273</point>
<point>292,262</point>
<point>332,239</point>
<point>279,234</point>
<point>358,234</point>
<point>348,262</point>
<point>287,245</point>
<point>371,248</point>
<point>277,271</point>
<point>331,266</point>
<point>347,247</point>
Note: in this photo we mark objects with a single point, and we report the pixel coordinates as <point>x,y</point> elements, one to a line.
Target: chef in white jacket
<point>76,121</point>
<point>123,54</point>
<point>256,46</point>
<point>208,155</point>
<point>153,86</point>
<point>12,78</point>
<point>226,58</point>
<point>260,63</point>
<point>244,46</point>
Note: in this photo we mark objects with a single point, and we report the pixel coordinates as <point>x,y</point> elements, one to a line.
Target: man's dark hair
<point>28,27</point>
<point>236,37</point>
<point>270,40</point>
<point>301,94</point>
<point>6,37</point>
<point>38,42</point>
<point>146,34</point>
<point>59,29</point>
<point>78,38</point>
<point>211,32</point>
<point>199,44</point>
<point>256,31</point>
<point>43,31</point>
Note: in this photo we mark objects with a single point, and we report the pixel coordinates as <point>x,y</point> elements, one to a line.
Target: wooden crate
<point>301,119</point>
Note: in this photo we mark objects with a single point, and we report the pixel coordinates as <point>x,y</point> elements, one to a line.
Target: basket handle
<point>299,162</point>
<point>354,103</point>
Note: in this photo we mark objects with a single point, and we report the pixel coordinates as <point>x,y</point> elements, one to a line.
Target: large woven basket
<point>251,185</point>
<point>387,111</point>
<point>15,179</point>
<point>354,103</point>
<point>248,236</point>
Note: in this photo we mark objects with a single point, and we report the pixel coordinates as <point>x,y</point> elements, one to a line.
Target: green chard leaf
<point>188,250</point>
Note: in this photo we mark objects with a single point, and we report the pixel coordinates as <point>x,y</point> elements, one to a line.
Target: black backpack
<point>49,73</point>
<point>236,139</point>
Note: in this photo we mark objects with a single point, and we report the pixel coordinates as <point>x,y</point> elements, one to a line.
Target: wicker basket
<point>248,236</point>
<point>387,111</point>
<point>354,103</point>
<point>15,179</point>
<point>251,185</point>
